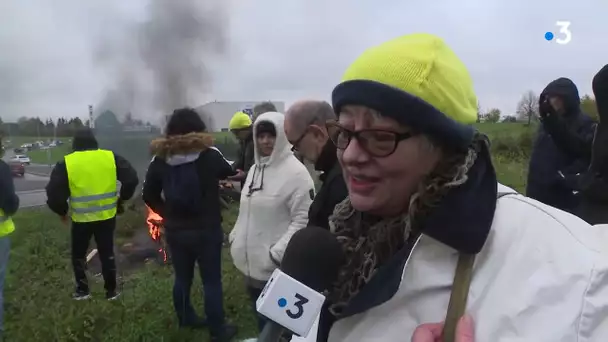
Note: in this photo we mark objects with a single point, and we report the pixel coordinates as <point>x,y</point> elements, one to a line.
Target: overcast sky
<point>56,57</point>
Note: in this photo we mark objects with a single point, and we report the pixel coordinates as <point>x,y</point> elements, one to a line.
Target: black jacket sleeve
<point>153,187</point>
<point>575,140</point>
<point>239,163</point>
<point>9,201</point>
<point>58,190</point>
<point>127,176</point>
<point>223,168</point>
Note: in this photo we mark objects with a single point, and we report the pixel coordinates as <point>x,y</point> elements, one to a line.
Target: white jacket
<point>268,217</point>
<point>542,276</point>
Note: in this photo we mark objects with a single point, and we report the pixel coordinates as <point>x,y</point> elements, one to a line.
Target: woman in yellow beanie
<point>424,198</point>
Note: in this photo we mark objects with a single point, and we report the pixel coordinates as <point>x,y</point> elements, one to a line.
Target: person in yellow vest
<point>9,203</point>
<point>83,187</point>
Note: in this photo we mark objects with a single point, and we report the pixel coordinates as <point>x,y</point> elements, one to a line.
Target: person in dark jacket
<point>551,161</point>
<point>84,185</point>
<point>9,203</point>
<point>305,129</point>
<point>182,186</point>
<point>591,185</point>
<point>241,126</point>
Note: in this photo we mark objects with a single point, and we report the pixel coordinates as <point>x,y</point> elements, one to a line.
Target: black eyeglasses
<point>294,147</point>
<point>377,142</point>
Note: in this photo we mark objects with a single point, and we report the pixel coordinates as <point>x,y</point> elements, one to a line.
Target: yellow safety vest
<point>6,224</point>
<point>92,179</point>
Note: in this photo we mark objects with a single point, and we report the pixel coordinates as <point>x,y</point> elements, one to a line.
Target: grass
<point>39,283</point>
<point>50,156</point>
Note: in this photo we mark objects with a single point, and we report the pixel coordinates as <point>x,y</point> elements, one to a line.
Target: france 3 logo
<point>565,35</point>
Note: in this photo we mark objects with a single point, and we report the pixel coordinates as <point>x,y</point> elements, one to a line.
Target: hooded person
<point>83,185</point>
<point>553,158</point>
<point>182,186</point>
<point>429,233</point>
<point>274,205</point>
<point>240,126</point>
<point>591,185</point>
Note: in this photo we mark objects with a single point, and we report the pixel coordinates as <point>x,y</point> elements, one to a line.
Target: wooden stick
<point>91,255</point>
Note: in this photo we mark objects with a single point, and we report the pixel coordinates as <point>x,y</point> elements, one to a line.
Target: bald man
<point>305,130</point>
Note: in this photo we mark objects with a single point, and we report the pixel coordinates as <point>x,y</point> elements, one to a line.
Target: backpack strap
<point>460,290</point>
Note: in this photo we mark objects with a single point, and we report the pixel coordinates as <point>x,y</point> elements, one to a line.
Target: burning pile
<point>156,229</point>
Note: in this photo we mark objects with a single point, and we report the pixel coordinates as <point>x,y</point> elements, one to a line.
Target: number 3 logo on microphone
<point>298,305</point>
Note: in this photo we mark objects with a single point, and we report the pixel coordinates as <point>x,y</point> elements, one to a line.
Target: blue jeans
<point>5,247</point>
<point>202,247</point>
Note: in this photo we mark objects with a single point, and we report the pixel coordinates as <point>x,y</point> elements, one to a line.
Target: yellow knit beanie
<point>417,80</point>
<point>239,120</point>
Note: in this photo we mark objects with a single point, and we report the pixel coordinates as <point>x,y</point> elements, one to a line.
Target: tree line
<point>527,110</point>
<point>36,127</point>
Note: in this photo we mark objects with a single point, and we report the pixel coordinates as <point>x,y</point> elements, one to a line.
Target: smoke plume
<point>161,63</point>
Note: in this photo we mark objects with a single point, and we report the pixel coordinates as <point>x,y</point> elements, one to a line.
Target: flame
<point>155,227</point>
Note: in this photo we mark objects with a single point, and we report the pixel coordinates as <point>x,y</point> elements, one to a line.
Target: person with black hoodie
<point>551,163</point>
<point>84,185</point>
<point>305,129</point>
<point>591,185</point>
<point>9,203</point>
<point>182,186</point>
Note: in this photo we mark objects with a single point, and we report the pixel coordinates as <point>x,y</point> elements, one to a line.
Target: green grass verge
<point>50,156</point>
<point>39,284</point>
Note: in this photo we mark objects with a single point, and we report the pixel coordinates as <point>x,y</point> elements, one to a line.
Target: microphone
<point>292,299</point>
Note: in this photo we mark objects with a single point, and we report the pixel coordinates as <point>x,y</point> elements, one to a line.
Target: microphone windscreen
<point>313,257</point>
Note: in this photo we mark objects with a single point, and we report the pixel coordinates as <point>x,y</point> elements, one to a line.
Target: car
<point>21,158</point>
<point>17,168</point>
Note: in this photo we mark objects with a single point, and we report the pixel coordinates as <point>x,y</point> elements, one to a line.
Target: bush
<point>513,146</point>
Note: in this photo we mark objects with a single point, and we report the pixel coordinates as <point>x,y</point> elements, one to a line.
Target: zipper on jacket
<point>409,257</point>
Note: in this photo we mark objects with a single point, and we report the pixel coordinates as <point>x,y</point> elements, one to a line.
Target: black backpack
<point>181,188</point>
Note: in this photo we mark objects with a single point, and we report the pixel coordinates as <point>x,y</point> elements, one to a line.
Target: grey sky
<point>56,57</point>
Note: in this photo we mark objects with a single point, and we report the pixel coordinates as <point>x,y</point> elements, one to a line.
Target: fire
<point>155,228</point>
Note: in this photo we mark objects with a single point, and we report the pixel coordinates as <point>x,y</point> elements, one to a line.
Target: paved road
<point>39,169</point>
<point>31,198</point>
<point>30,182</point>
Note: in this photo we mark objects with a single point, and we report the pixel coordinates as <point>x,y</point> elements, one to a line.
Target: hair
<point>265,127</point>
<point>84,139</point>
<point>310,112</point>
<point>263,107</point>
<point>183,121</point>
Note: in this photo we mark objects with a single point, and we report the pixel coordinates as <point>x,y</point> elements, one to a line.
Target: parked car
<point>17,168</point>
<point>21,158</point>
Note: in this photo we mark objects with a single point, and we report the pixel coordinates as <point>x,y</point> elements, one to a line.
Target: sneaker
<point>81,295</point>
<point>112,295</point>
<point>227,334</point>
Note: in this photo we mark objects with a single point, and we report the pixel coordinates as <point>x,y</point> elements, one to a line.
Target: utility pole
<point>90,116</point>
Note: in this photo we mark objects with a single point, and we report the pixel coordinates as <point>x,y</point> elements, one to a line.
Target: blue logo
<point>549,36</point>
<point>282,302</point>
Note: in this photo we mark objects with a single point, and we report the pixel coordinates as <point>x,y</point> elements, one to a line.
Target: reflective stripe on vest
<point>92,181</point>
<point>6,224</point>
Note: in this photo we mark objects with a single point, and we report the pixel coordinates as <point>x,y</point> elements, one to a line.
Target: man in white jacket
<point>274,204</point>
